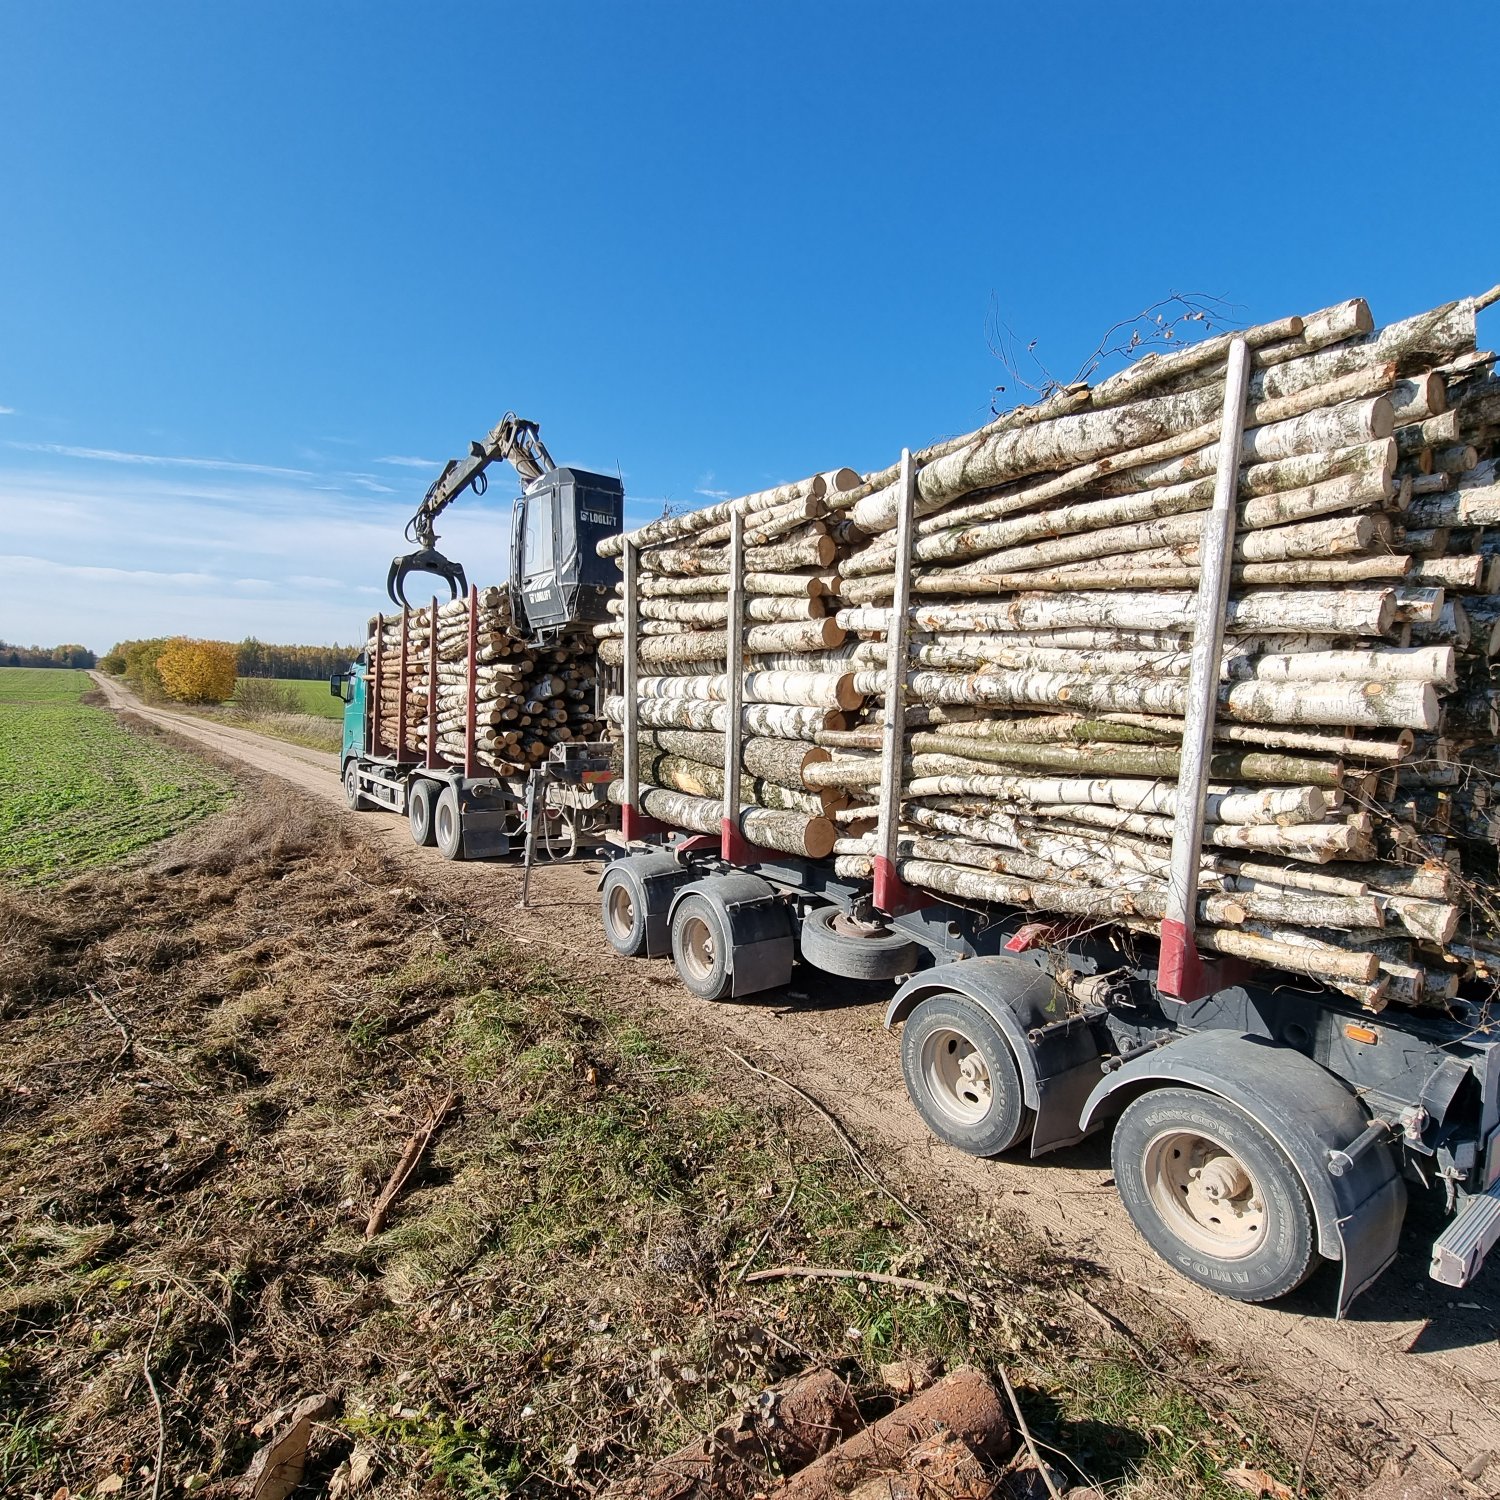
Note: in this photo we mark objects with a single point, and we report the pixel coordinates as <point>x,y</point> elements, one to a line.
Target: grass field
<point>77,789</point>
<point>313,696</point>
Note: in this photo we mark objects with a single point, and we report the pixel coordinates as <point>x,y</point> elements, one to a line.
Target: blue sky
<point>263,266</point>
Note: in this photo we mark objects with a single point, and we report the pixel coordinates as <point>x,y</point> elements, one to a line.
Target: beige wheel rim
<point>621,911</point>
<point>698,950</point>
<point>445,823</point>
<point>957,1077</point>
<point>1205,1194</point>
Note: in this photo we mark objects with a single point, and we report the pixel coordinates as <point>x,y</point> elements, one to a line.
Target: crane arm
<point>513,439</point>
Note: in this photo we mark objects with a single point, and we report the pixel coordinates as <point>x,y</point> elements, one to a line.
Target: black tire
<point>1255,1244</point>
<point>353,797</point>
<point>622,910</point>
<point>700,948</point>
<point>962,1076</point>
<point>881,956</point>
<point>447,824</point>
<point>421,800</point>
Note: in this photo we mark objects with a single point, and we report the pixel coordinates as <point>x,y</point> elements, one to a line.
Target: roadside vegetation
<point>76,788</point>
<point>212,1060</point>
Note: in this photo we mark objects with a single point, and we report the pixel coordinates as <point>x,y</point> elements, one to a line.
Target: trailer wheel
<point>962,1076</point>
<point>623,913</point>
<point>447,824</point>
<point>1214,1195</point>
<point>700,948</point>
<point>827,944</point>
<point>353,797</point>
<point>420,797</point>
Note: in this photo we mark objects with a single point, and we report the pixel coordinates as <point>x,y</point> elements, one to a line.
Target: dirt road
<point>1415,1359</point>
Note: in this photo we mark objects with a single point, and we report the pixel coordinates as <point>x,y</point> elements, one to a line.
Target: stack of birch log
<point>527,698</point>
<point>1054,564</point>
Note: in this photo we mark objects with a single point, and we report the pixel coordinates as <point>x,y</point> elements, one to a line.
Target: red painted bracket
<point>734,849</point>
<point>892,894</point>
<point>1183,974</point>
<point>698,843</point>
<point>634,824</point>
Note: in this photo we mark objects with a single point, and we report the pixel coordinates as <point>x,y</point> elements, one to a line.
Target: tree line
<point>199,671</point>
<point>12,655</point>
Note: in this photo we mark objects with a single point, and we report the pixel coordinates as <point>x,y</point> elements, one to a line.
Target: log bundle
<point>1053,565</point>
<point>527,698</point>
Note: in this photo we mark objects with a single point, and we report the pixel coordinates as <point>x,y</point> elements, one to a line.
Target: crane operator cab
<point>558,581</point>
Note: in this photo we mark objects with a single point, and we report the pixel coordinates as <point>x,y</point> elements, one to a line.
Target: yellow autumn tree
<point>197,671</point>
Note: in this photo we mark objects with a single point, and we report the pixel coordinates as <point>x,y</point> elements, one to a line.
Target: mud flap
<point>1368,1236</point>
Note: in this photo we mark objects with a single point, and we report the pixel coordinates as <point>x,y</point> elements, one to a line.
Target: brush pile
<point>1054,564</point>
<point>526,698</point>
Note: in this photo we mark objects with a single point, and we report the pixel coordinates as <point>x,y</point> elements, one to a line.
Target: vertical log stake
<point>633,823</point>
<point>471,757</point>
<point>733,847</point>
<point>1182,973</point>
<point>372,700</point>
<point>434,760</point>
<point>891,894</point>
<point>401,685</point>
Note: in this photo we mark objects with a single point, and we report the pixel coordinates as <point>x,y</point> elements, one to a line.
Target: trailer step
<point>1459,1252</point>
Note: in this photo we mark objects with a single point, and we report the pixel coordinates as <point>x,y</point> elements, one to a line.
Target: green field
<point>313,696</point>
<point>77,789</point>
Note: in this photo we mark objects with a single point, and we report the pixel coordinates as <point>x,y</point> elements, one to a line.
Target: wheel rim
<point>698,951</point>
<point>445,824</point>
<point>621,911</point>
<point>351,782</point>
<point>957,1076</point>
<point>1205,1194</point>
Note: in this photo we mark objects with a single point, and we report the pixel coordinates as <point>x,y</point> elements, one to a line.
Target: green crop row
<point>78,789</point>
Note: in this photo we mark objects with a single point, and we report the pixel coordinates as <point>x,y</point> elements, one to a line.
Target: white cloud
<point>409,463</point>
<point>713,494</point>
<point>116,456</point>
<point>7,411</point>
<point>104,552</point>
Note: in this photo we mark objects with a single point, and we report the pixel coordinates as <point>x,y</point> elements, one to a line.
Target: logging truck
<point>1261,1122</point>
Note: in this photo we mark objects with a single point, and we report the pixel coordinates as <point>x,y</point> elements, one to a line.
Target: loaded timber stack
<point>795,681</point>
<point>1036,585</point>
<point>526,698</point>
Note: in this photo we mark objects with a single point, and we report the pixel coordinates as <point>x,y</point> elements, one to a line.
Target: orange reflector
<point>1361,1033</point>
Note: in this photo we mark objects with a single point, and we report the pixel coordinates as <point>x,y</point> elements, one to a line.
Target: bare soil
<point>1415,1369</point>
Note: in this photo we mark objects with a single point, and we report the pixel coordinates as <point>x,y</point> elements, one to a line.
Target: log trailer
<point>1261,1125</point>
<point>557,589</point>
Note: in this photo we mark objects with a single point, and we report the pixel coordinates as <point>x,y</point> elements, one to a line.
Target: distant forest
<point>46,656</point>
<point>260,659</point>
<point>252,658</point>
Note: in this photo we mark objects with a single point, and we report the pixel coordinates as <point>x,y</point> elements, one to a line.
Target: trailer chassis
<point>1360,1106</point>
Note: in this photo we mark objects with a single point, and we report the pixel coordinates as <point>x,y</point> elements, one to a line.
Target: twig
<point>1026,1437</point>
<point>161,1421</point>
<point>1312,1438</point>
<point>770,1230</point>
<point>884,1278</point>
<point>858,1157</point>
<point>416,1148</point>
<point>127,1044</point>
